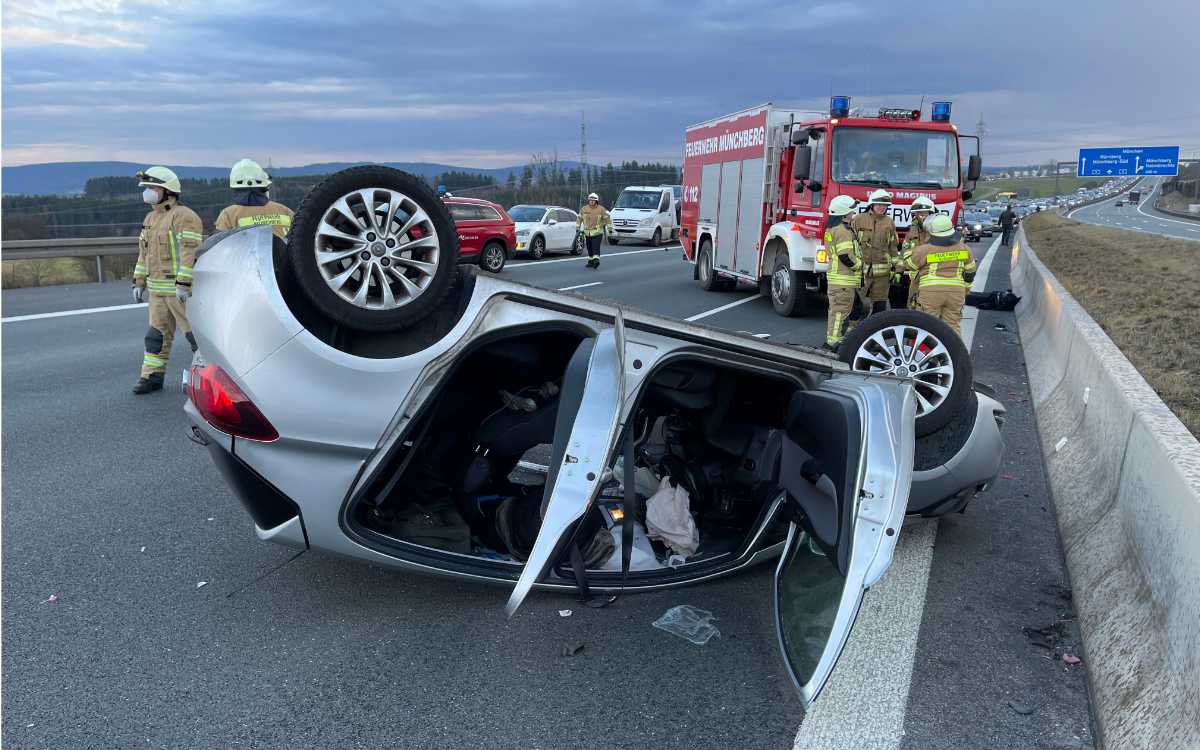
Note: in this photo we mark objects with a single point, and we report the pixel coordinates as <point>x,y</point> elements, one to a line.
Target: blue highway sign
<point>1137,161</point>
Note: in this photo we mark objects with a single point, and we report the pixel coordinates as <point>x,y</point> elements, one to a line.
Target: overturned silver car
<point>365,397</point>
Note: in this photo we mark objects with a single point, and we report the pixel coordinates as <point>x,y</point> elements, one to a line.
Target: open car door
<point>585,432</point>
<point>846,468</point>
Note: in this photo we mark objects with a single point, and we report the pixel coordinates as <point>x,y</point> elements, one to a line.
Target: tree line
<point>112,206</point>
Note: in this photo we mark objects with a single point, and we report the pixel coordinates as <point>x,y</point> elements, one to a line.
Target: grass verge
<point>1033,187</point>
<point>1143,290</point>
<point>18,274</point>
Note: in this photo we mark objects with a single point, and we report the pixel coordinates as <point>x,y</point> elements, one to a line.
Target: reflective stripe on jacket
<point>840,241</point>
<point>275,215</point>
<point>171,234</point>
<point>878,241</point>
<point>941,265</point>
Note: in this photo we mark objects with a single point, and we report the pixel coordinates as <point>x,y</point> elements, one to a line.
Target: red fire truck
<point>756,184</point>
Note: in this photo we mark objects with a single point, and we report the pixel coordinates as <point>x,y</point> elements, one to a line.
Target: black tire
<point>928,422</point>
<point>613,241</point>
<point>705,273</point>
<point>537,248</point>
<point>790,300</point>
<point>656,240</point>
<point>493,257</point>
<point>579,245</point>
<point>307,272</point>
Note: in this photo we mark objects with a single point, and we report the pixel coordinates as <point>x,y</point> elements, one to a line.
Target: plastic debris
<point>571,648</point>
<point>690,623</point>
<point>1020,708</point>
<point>211,518</point>
<point>1072,660</point>
<point>50,599</point>
<point>201,584</point>
<point>564,613</point>
<point>143,549</point>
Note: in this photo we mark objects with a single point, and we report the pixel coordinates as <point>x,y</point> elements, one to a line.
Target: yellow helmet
<point>248,174</point>
<point>159,177</point>
<point>941,226</point>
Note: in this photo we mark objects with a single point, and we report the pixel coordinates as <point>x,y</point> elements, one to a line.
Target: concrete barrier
<point>1125,476</point>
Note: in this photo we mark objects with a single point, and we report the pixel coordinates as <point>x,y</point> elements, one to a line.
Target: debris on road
<point>201,584</point>
<point>688,622</point>
<point>1071,659</point>
<point>571,648</point>
<point>143,549</point>
<point>50,599</point>
<point>1020,708</point>
<point>564,613</point>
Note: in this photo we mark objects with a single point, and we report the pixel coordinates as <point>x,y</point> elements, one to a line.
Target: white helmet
<point>923,203</point>
<point>842,205</point>
<point>593,197</point>
<point>880,196</point>
<point>159,177</point>
<point>248,174</point>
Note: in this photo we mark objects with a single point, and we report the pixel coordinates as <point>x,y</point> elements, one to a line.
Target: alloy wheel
<point>912,353</point>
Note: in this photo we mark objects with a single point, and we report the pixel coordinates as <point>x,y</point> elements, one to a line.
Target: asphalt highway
<point>1140,218</point>
<point>139,609</point>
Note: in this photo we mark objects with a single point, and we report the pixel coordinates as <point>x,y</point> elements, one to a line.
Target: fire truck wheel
<point>788,295</point>
<point>709,281</point>
<point>921,349</point>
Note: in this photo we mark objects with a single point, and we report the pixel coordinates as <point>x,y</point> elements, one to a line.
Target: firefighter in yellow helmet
<point>880,249</point>
<point>594,222</point>
<point>171,234</point>
<point>944,269</point>
<point>252,205</point>
<point>918,234</point>
<point>844,277</point>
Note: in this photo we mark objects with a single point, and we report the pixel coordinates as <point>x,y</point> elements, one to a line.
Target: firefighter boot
<point>152,382</point>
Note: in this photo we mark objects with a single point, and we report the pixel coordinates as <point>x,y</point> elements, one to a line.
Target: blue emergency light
<point>940,112</point>
<point>839,106</point>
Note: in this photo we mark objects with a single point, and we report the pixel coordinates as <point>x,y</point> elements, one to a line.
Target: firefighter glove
<point>182,292</point>
<point>140,294</point>
<point>969,276</point>
<point>896,278</point>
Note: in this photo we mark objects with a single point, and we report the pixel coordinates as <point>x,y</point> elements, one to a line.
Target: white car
<point>543,229</point>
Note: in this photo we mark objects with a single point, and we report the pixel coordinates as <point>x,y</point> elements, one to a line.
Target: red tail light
<point>224,406</point>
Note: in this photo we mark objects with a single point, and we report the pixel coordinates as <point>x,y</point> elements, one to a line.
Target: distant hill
<point>68,178</point>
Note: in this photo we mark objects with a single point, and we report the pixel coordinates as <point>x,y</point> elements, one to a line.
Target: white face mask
<point>150,195</point>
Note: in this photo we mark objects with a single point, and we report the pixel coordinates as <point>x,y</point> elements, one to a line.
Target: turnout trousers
<point>165,314</point>
<point>944,303</point>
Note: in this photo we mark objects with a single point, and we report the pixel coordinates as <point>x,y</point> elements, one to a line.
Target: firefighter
<point>171,233</point>
<point>917,235</point>
<point>595,223</point>
<point>251,204</point>
<point>844,277</point>
<point>944,269</point>
<point>879,242</point>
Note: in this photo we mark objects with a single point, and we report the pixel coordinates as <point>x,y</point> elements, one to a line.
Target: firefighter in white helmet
<point>880,248</point>
<point>252,205</point>
<point>844,277</point>
<point>171,234</point>
<point>594,222</point>
<point>918,234</point>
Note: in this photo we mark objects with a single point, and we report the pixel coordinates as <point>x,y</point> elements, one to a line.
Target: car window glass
<point>461,212</point>
<point>665,203</point>
<point>487,213</point>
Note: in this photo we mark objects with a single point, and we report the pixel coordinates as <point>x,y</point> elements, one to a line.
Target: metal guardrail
<point>83,247</point>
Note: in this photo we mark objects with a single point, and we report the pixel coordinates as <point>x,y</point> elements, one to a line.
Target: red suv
<point>486,234</point>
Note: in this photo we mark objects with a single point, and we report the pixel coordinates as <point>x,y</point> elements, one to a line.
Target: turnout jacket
<point>171,234</point>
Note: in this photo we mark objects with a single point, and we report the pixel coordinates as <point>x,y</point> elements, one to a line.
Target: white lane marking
<point>1150,195</point>
<point>722,308</point>
<point>862,705</point>
<point>583,258</point>
<point>68,313</point>
<point>579,286</point>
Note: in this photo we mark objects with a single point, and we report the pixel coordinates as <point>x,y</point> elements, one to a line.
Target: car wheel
<point>917,347</point>
<point>373,249</point>
<point>704,269</point>
<point>656,240</point>
<point>493,257</point>
<point>577,247</point>
<point>537,248</point>
<point>788,295</point>
<point>613,241</point>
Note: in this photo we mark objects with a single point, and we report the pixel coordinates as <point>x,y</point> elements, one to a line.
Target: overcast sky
<point>489,83</point>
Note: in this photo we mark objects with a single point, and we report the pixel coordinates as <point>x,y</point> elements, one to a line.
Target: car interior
<point>715,447</point>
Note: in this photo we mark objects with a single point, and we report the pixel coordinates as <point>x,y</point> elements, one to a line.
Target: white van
<point>647,214</point>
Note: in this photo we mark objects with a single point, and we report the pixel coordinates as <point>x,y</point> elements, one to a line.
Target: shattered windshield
<point>895,158</point>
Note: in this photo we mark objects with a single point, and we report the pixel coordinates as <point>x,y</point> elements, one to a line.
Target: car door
<point>566,228</point>
<point>586,430</point>
<point>468,222</point>
<point>846,471</point>
<point>553,230</point>
<point>666,214</point>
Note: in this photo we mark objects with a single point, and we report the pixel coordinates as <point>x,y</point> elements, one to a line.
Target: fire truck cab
<point>756,185</point>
